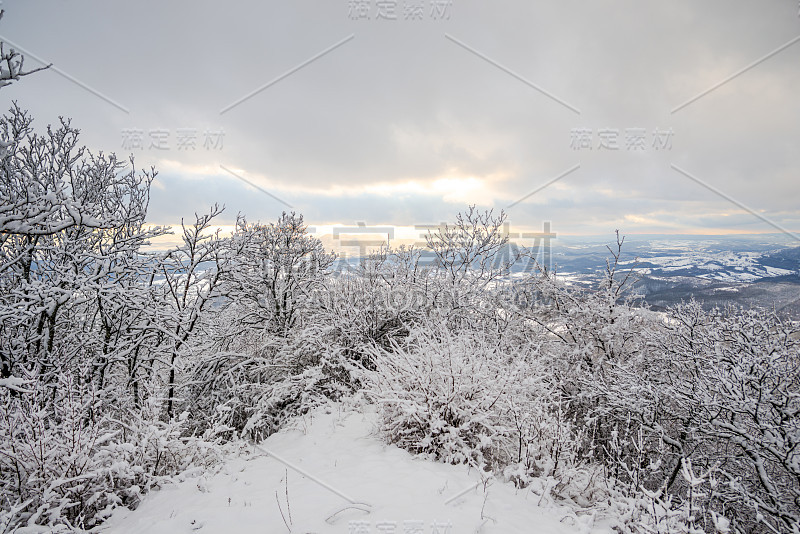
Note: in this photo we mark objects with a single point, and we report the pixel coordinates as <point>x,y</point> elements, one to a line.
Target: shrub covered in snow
<point>65,460</point>
<point>253,392</point>
<point>469,397</point>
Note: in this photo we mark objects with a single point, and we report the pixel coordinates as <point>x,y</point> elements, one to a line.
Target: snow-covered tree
<point>192,275</point>
<point>83,332</point>
<point>12,64</point>
<point>278,266</point>
<point>71,230</point>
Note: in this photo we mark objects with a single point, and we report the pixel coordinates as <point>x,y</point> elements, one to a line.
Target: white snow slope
<point>402,494</point>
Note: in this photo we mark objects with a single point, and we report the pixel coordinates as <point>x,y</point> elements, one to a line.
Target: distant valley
<point>762,270</point>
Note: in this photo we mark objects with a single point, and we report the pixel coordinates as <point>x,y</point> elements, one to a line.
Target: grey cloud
<point>401,102</point>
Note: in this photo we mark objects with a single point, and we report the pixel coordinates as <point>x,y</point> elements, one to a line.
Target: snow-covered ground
<point>339,449</point>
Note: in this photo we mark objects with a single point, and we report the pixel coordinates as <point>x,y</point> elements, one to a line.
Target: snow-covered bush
<point>355,312</point>
<point>66,461</point>
<point>253,388</point>
<point>468,397</point>
<point>274,269</point>
<point>715,394</point>
<point>717,390</point>
<point>735,383</point>
<point>89,338</point>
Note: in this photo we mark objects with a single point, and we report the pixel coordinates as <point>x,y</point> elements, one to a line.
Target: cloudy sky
<point>650,117</point>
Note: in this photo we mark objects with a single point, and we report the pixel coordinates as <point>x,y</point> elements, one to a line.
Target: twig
<point>286,486</point>
<point>359,506</point>
<point>281,511</point>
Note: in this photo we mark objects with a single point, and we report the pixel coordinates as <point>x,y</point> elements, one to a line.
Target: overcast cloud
<point>407,121</point>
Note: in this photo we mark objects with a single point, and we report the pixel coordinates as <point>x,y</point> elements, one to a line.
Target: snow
<point>15,383</point>
<point>726,266</point>
<point>394,492</point>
